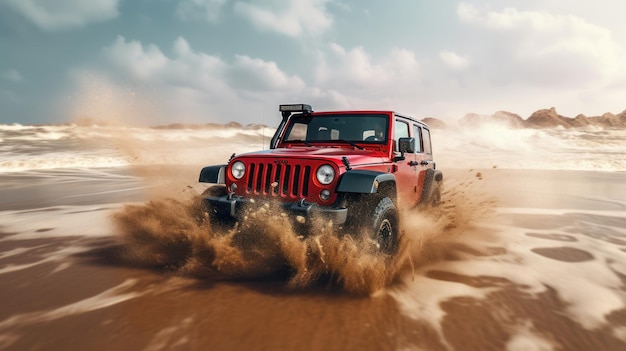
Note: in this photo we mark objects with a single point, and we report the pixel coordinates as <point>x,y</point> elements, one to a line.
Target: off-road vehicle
<point>352,168</point>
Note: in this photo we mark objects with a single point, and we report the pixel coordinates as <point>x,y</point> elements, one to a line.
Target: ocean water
<point>498,146</point>
<point>29,148</point>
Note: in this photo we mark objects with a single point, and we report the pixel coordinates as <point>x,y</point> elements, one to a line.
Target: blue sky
<point>200,61</point>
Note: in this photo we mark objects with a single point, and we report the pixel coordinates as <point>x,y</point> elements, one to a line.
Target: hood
<point>329,154</point>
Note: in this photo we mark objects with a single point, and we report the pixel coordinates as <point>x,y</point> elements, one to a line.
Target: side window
<point>417,131</point>
<point>426,137</point>
<point>401,131</point>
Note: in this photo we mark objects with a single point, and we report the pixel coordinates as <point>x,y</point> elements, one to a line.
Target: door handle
<point>413,163</point>
<point>424,162</point>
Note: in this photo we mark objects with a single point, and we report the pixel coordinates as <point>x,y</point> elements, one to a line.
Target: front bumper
<point>232,206</point>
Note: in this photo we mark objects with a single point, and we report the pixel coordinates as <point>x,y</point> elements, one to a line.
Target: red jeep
<point>354,168</point>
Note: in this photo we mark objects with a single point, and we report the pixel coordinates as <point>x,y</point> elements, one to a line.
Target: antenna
<point>262,128</point>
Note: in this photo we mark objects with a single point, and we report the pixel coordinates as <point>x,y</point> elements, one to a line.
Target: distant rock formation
<point>512,119</point>
<point>544,118</point>
<point>580,121</point>
<point>547,118</point>
<point>501,117</point>
<point>434,123</point>
<point>610,120</point>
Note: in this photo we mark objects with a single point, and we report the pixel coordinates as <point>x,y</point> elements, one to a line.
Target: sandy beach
<point>110,258</point>
<point>523,277</point>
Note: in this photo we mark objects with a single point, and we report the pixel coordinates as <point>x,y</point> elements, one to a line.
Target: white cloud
<point>256,74</point>
<point>189,84</point>
<point>185,70</point>
<point>355,70</point>
<point>209,10</point>
<point>467,12</point>
<point>356,79</point>
<point>140,62</point>
<point>64,14</point>
<point>12,75</point>
<point>540,48</point>
<point>289,17</point>
<point>198,70</point>
<point>193,70</point>
<point>453,60</point>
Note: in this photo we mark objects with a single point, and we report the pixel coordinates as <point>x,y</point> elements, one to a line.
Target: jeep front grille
<point>279,180</point>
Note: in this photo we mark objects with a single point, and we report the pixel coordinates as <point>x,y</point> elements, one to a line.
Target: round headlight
<point>238,170</point>
<point>325,174</point>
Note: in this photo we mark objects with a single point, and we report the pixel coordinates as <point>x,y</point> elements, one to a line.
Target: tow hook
<point>231,192</point>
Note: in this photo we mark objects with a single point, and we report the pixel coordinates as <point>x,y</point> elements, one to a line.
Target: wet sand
<point>514,259</point>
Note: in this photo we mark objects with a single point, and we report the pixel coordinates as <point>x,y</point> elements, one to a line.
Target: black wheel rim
<point>385,233</point>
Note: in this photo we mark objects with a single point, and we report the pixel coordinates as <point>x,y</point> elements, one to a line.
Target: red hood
<point>330,154</point>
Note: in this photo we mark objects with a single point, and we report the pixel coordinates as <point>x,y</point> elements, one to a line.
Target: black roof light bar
<point>288,109</point>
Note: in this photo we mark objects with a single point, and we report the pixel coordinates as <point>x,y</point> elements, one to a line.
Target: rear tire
<point>435,197</point>
<point>384,228</point>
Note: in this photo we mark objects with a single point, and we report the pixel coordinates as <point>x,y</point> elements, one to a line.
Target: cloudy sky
<point>199,61</point>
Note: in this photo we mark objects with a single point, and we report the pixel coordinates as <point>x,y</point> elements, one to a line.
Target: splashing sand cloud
<point>175,235</point>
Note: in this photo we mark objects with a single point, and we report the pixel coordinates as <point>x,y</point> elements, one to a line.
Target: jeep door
<point>406,174</point>
<point>423,155</point>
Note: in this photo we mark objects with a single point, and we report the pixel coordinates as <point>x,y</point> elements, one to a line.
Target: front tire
<point>216,221</point>
<point>385,226</point>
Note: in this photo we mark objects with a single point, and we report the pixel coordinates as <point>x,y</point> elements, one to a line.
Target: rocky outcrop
<point>544,118</point>
<point>622,116</point>
<point>434,123</point>
<point>509,118</point>
<point>580,121</point>
<point>506,118</point>
<point>547,118</point>
<point>607,120</point>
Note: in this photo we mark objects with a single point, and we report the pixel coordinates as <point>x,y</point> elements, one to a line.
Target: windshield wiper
<point>300,141</point>
<point>348,142</point>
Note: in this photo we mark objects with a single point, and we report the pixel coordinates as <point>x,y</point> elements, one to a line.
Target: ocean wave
<point>478,146</point>
<point>78,161</point>
<point>14,127</point>
<point>498,146</point>
<point>18,132</point>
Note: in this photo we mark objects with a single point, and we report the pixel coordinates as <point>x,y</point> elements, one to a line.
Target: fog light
<point>233,187</point>
<point>325,195</point>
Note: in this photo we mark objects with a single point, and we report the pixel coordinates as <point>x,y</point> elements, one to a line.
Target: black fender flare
<point>432,177</point>
<point>364,182</point>
<point>213,174</point>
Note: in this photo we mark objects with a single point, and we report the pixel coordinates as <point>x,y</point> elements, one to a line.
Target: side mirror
<point>406,145</point>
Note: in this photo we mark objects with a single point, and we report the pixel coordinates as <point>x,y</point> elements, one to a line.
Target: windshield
<point>360,128</point>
